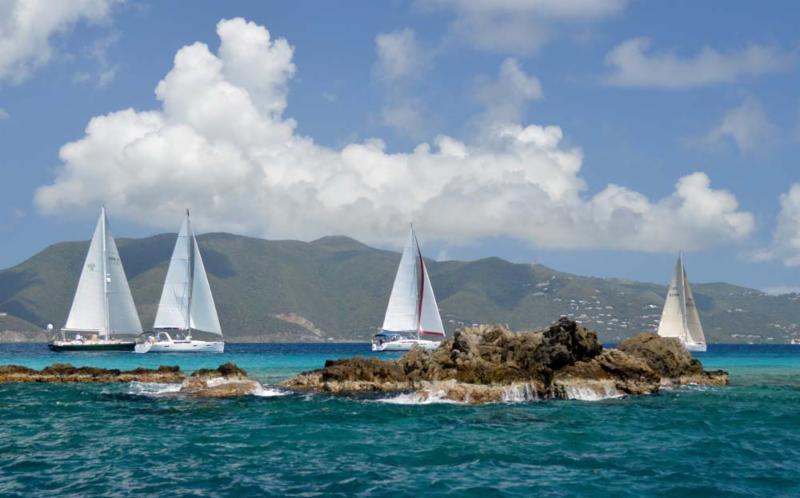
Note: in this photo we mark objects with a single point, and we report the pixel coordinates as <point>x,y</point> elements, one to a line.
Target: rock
<point>225,381</point>
<point>492,363</point>
<point>66,373</point>
<point>666,356</point>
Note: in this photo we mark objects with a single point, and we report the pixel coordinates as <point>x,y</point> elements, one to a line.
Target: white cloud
<point>27,26</point>
<point>400,56</point>
<point>785,246</point>
<point>401,62</point>
<point>506,97</point>
<point>518,26</point>
<point>632,65</point>
<point>746,125</point>
<point>4,114</point>
<point>220,144</point>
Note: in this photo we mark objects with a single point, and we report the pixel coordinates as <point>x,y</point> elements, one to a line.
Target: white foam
<point>593,393</point>
<point>153,388</point>
<point>268,392</point>
<point>519,393</point>
<point>420,398</point>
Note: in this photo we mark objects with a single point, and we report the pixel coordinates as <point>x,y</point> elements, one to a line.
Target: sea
<point>135,440</point>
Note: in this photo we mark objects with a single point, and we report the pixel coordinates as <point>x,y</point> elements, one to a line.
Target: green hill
<point>336,288</point>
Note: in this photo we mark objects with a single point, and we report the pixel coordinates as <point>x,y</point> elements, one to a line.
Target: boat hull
<point>66,346</point>
<point>696,348</point>
<point>189,346</point>
<point>404,345</point>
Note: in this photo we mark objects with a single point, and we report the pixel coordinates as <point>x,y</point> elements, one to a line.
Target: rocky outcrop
<point>225,381</point>
<point>492,363</point>
<point>62,373</point>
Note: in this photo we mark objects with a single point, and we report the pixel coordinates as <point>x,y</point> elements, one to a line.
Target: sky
<point>599,137</point>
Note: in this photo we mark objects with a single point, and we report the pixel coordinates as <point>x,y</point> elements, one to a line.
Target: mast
<point>104,260</point>
<point>192,243</point>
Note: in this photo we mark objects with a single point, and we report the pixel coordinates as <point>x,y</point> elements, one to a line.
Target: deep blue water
<point>115,440</point>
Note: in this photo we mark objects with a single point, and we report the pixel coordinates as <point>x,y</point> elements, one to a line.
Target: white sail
<point>694,329</point>
<point>203,311</point>
<point>122,315</point>
<point>412,305</point>
<point>672,323</point>
<point>103,301</point>
<point>402,310</point>
<point>173,307</point>
<point>430,321</point>
<point>88,311</point>
<point>186,300</point>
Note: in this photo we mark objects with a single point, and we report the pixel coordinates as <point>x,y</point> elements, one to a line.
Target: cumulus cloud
<point>506,97</point>
<point>27,26</point>
<point>746,125</point>
<point>633,65</point>
<point>518,26</point>
<point>785,246</point>
<point>219,143</point>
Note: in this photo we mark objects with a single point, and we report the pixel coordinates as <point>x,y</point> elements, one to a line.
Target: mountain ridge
<point>336,288</point>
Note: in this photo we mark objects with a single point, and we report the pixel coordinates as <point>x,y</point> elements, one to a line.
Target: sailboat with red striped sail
<point>412,316</point>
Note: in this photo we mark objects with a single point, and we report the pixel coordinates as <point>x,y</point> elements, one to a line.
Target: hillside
<point>336,288</point>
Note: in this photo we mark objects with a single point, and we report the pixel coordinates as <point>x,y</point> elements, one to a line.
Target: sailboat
<point>679,318</point>
<point>412,311</point>
<point>186,303</point>
<point>103,306</point>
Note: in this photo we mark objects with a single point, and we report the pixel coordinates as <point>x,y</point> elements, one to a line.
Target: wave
<point>420,398</point>
<point>269,392</point>
<point>152,388</point>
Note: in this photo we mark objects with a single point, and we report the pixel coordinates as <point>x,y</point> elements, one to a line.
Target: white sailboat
<point>412,311</point>
<point>186,303</point>
<point>680,318</point>
<point>103,306</point>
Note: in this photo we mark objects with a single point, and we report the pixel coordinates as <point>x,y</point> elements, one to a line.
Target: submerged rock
<point>490,363</point>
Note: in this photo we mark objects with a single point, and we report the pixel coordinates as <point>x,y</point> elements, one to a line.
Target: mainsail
<point>103,301</point>
<point>412,304</point>
<point>186,301</point>
<point>679,317</point>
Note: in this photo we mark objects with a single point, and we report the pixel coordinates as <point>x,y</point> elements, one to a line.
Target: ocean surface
<point>129,440</point>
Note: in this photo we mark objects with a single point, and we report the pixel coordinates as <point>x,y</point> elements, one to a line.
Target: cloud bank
<point>219,143</point>
<point>27,26</point>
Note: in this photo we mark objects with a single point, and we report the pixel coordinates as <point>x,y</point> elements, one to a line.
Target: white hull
<point>696,348</point>
<point>188,346</point>
<point>404,345</point>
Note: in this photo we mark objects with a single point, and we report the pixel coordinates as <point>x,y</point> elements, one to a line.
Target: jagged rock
<point>491,362</point>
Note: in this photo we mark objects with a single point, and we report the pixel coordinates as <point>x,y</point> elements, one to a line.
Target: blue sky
<point>637,96</point>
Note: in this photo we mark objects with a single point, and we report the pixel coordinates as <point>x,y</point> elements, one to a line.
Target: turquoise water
<point>116,440</point>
